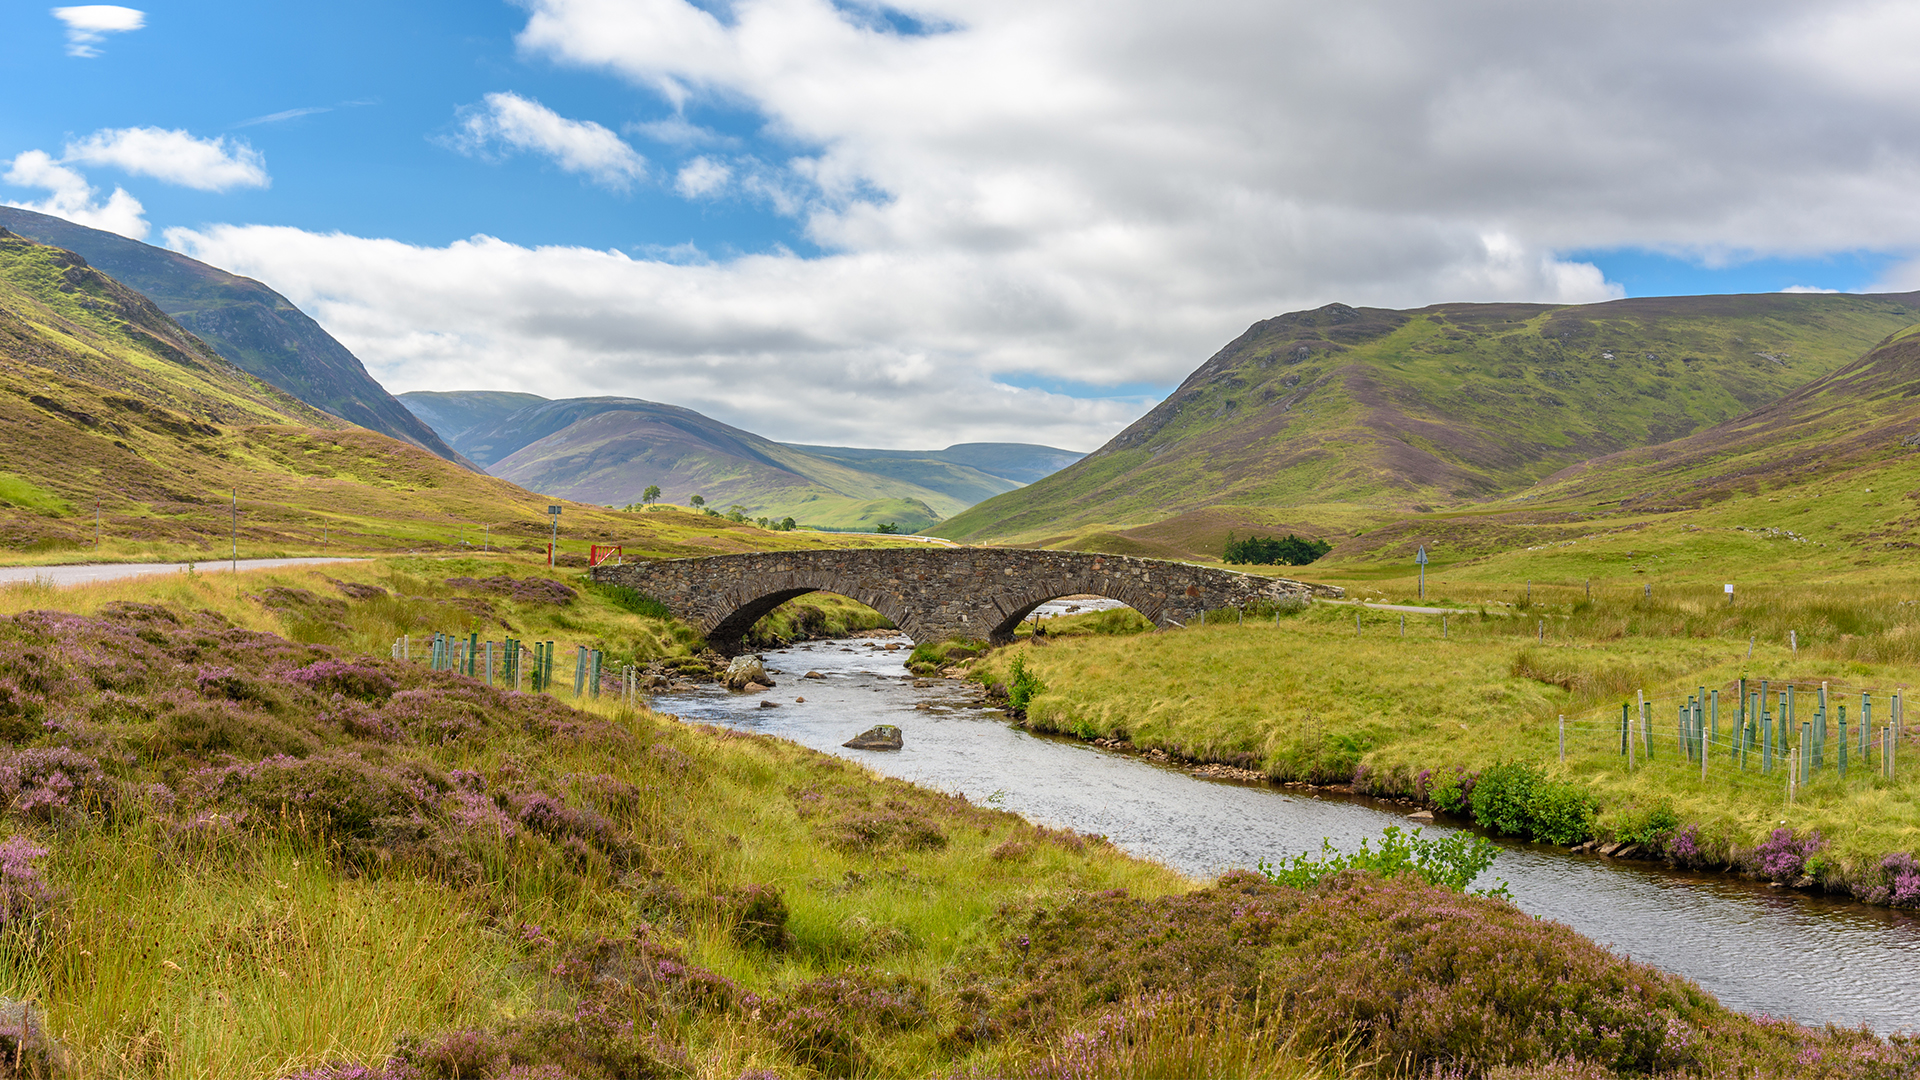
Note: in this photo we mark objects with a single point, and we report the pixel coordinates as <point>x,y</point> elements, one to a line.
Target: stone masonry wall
<point>936,593</point>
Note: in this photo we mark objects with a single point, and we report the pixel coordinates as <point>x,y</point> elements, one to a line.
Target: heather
<point>229,852</point>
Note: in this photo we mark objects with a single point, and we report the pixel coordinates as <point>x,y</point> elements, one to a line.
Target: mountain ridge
<point>1331,418</point>
<point>252,326</point>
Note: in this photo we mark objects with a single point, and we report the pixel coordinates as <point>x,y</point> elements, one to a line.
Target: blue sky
<point>954,220</point>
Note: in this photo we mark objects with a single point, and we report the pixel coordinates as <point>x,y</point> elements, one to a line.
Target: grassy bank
<point>227,852</point>
<point>1315,697</point>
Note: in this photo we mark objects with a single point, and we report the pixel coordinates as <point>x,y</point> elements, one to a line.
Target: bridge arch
<point>933,594</point>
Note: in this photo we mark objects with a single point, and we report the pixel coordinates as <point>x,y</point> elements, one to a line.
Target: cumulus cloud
<point>89,24</point>
<point>173,156</point>
<point>73,198</point>
<point>509,121</point>
<point>1105,191</point>
<point>701,177</point>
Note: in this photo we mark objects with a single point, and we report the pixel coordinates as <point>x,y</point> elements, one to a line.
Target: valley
<point>1585,480</point>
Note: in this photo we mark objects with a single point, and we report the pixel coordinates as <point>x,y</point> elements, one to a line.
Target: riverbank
<point>1310,698</point>
<point>324,865</point>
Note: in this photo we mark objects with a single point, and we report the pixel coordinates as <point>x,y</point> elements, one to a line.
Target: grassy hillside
<point>109,407</point>
<point>255,328</point>
<point>1333,419</point>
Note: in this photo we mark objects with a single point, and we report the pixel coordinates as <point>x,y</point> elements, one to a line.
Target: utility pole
<point>486,539</point>
<point>235,494</point>
<point>96,523</point>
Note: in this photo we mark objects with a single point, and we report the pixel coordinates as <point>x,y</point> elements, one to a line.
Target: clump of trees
<point>1267,551</point>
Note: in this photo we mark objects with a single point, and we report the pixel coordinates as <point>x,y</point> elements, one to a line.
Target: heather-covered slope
<point>230,853</point>
<point>1327,413</point>
<point>117,423</point>
<point>250,325</point>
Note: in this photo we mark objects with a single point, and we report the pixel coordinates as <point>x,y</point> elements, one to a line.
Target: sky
<point>850,223</point>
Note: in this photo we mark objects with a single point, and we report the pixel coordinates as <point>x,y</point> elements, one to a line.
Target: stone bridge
<point>933,594</point>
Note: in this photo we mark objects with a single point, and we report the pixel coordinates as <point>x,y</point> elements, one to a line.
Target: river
<point>1758,949</point>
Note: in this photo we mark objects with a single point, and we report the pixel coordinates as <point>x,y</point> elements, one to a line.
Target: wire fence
<point>514,665</point>
<point>1752,735</point>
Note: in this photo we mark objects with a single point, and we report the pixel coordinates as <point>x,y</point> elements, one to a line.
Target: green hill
<point>255,328</point>
<point>109,407</point>
<point>1329,420</point>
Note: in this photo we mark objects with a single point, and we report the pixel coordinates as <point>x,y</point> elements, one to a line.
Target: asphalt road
<point>89,573</point>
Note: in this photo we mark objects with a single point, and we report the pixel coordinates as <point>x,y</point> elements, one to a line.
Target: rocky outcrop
<point>877,737</point>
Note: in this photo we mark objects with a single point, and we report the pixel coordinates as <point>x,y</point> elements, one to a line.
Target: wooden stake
<point>1563,738</point>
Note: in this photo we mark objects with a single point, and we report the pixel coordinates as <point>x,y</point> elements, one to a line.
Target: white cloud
<point>173,156</point>
<point>1105,191</point>
<point>1807,289</point>
<point>73,198</point>
<point>701,177</point>
<point>579,146</point>
<point>88,25</point>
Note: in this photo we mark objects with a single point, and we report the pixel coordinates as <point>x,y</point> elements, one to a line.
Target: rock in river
<point>744,671</point>
<point>877,737</point>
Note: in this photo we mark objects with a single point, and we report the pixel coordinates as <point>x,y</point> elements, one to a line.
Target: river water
<point>1758,949</point>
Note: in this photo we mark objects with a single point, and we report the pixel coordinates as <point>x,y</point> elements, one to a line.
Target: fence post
<point>1646,727</point>
<point>1626,740</point>
<point>1563,738</point>
<point>1840,765</point>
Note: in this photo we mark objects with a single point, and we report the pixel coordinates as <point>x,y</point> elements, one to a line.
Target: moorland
<point>243,838</point>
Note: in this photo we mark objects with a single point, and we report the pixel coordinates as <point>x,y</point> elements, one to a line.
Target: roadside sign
<point>1421,558</point>
<point>553,510</point>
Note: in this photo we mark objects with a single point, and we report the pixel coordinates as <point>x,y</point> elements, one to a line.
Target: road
<point>90,573</point>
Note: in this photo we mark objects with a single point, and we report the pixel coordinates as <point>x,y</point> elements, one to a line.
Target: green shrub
<point>1292,551</point>
<point>1451,861</point>
<point>1022,685</point>
<point>1562,812</point>
<point>1502,800</point>
<point>1649,826</point>
<point>1454,794</point>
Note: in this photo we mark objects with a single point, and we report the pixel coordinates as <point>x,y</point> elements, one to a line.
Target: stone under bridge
<point>936,593</point>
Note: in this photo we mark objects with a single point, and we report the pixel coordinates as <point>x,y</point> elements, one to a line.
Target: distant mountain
<point>456,414</point>
<point>250,325</point>
<point>1319,420</point>
<point>610,449</point>
<point>967,471</point>
<point>109,407</point>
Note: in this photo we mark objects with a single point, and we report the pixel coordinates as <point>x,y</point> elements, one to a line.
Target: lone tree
<point>652,493</point>
<point>887,527</point>
<point>697,501</point>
